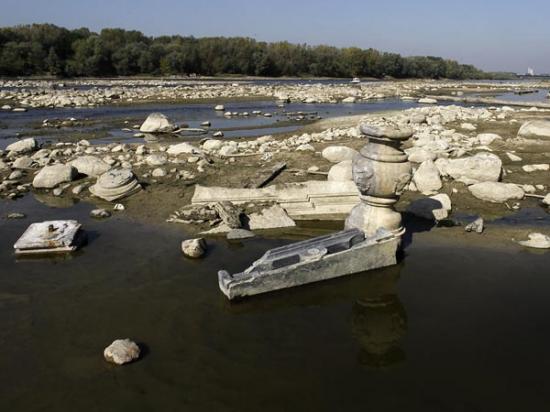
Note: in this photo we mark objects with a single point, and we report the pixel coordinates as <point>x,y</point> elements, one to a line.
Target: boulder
<point>486,139</point>
<point>546,200</point>
<point>182,148</point>
<point>475,226</point>
<point>535,129</point>
<point>482,167</point>
<point>115,184</point>
<point>90,166</point>
<point>156,123</point>
<point>121,351</point>
<point>420,155</point>
<point>426,178</point>
<point>341,171</point>
<point>193,248</point>
<point>212,144</point>
<point>22,146</point>
<point>496,192</point>
<point>537,241</point>
<point>337,154</point>
<point>51,176</point>
<point>23,162</point>
<point>157,159</point>
<point>431,208</point>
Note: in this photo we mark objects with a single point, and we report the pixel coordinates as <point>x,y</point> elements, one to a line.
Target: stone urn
<point>381,172</point>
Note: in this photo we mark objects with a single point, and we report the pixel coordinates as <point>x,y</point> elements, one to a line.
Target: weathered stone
<point>23,162</point>
<point>337,154</point>
<point>182,148</point>
<point>487,138</point>
<point>482,167</point>
<point>535,129</point>
<point>212,144</point>
<point>156,123</point>
<point>427,100</point>
<point>546,200</point>
<point>341,172</point>
<point>420,155</point>
<point>537,241</point>
<point>100,213</point>
<point>22,146</point>
<point>496,192</point>
<point>50,237</point>
<point>194,248</point>
<point>51,176</point>
<point>90,166</point>
<point>427,179</point>
<point>121,351</point>
<point>431,208</point>
<point>237,234</point>
<point>115,184</point>
<point>475,226</point>
<point>157,159</point>
<point>536,168</point>
<point>158,172</point>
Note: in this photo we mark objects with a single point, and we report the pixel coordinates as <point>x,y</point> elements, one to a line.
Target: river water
<point>453,327</point>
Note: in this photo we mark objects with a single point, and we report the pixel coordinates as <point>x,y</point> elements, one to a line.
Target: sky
<point>494,35</point>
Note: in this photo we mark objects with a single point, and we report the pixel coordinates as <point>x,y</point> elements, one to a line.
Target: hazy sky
<point>492,34</point>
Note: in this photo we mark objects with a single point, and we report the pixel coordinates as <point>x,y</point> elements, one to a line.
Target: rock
<point>16,215</point>
<point>420,155</point>
<point>119,207</point>
<point>3,166</point>
<point>537,241</point>
<point>156,123</point>
<point>535,129</point>
<point>22,146</point>
<point>227,151</point>
<point>431,208</point>
<point>100,213</point>
<point>350,99</point>
<point>157,159</point>
<point>546,200</point>
<point>23,162</point>
<point>158,172</point>
<point>206,124</point>
<point>236,234</point>
<point>90,166</point>
<point>468,127</point>
<point>482,167</point>
<point>181,148</point>
<point>513,157</point>
<point>496,192</point>
<point>273,217</point>
<point>194,248</point>
<point>219,108</point>
<point>486,139</point>
<point>115,184</point>
<point>475,226</point>
<point>212,144</point>
<point>427,100</point>
<point>51,176</point>
<point>337,154</point>
<point>121,351</point>
<point>341,171</point>
<point>52,236</point>
<point>426,178</point>
<point>15,175</point>
<point>218,134</point>
<point>536,168</point>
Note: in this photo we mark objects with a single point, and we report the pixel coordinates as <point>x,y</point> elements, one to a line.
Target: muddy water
<point>453,327</point>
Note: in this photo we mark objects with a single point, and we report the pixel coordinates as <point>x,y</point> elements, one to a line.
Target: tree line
<point>46,49</point>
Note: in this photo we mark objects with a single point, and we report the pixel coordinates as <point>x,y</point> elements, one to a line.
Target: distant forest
<point>45,49</point>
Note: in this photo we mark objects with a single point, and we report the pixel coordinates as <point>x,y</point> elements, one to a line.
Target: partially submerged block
<point>302,201</point>
<point>55,236</point>
<point>326,257</point>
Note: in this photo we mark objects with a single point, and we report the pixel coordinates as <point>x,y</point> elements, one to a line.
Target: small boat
<point>356,80</point>
<point>321,258</point>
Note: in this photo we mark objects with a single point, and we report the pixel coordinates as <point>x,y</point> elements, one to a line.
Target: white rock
<point>468,126</point>
<point>212,144</point>
<point>159,172</point>
<point>431,208</point>
<point>426,178</point>
<point>90,166</point>
<point>51,176</point>
<point>546,200</point>
<point>180,148</point>
<point>496,192</point>
<point>427,100</point>
<point>337,154</point>
<point>535,129</point>
<point>121,351</point>
<point>486,139</point>
<point>219,108</point>
<point>420,155</point>
<point>537,240</point>
<point>482,167</point>
<point>341,171</point>
<point>156,123</point>
<point>157,159</point>
<point>193,248</point>
<point>22,146</point>
<point>513,157</point>
<point>536,168</point>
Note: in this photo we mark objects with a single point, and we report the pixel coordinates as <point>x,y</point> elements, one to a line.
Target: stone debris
<point>157,123</point>
<point>537,241</point>
<point>115,184</point>
<point>495,192</point>
<point>476,226</point>
<point>194,248</point>
<point>56,236</point>
<point>51,176</point>
<point>90,166</point>
<point>121,351</point>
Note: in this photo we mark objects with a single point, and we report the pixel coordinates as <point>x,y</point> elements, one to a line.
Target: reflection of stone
<point>379,321</point>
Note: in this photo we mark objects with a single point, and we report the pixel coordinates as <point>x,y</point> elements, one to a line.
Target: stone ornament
<point>381,172</point>
<point>115,184</point>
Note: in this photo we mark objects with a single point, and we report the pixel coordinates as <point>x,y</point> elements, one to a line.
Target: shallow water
<point>451,328</point>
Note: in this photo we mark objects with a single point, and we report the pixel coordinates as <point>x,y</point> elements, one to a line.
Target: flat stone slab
<point>53,236</point>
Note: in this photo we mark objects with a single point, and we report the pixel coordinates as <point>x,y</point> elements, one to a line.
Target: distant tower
<point>530,72</point>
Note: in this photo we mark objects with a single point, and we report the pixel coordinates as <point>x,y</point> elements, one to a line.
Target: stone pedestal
<point>381,172</point>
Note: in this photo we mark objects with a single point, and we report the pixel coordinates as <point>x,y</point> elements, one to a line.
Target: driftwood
<point>265,176</point>
<point>229,214</point>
